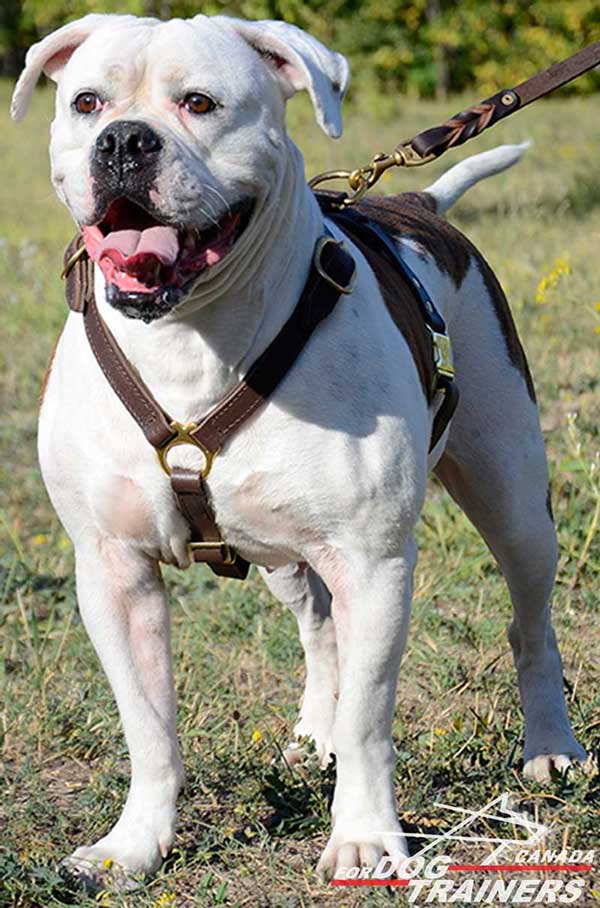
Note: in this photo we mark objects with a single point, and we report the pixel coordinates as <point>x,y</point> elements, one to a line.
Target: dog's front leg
<point>371,607</point>
<point>125,612</point>
<point>305,594</point>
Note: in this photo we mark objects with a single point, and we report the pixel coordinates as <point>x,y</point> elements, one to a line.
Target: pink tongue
<point>127,246</point>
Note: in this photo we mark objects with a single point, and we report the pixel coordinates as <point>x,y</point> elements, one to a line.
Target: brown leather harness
<point>332,274</point>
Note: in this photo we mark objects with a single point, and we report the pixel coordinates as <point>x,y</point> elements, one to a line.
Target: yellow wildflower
<point>40,539</point>
<point>108,863</point>
<point>166,900</point>
<point>550,282</point>
<point>256,736</point>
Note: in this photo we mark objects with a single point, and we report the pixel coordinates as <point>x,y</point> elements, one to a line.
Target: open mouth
<point>148,265</point>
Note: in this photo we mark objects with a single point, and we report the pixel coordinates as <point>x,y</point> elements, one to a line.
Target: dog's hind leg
<point>495,468</point>
<point>124,608</point>
<point>298,587</point>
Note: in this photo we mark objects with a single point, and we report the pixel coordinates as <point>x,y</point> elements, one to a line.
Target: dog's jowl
<point>169,148</point>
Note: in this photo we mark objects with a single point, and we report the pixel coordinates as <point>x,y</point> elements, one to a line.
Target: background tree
<point>422,47</point>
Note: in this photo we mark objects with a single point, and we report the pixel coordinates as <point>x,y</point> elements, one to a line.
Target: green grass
<point>251,831</point>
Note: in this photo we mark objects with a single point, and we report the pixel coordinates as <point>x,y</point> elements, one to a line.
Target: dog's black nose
<point>126,145</point>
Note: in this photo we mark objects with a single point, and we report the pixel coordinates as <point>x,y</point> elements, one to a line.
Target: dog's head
<point>169,139</point>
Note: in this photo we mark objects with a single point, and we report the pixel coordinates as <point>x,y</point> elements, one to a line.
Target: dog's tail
<point>461,177</point>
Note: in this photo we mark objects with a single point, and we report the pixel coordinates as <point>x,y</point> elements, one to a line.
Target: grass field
<point>251,830</point>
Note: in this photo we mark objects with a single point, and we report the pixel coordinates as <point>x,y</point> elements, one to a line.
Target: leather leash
<point>472,121</point>
<point>428,145</point>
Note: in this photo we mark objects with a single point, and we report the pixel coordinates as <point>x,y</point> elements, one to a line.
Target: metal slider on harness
<point>442,354</point>
<point>227,554</point>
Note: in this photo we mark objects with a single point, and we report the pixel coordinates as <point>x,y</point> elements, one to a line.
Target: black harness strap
<point>360,227</point>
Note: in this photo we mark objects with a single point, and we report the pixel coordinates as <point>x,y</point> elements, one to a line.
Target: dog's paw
<point>134,848</point>
<point>300,751</point>
<point>315,724</point>
<point>540,767</point>
<point>110,864</point>
<point>95,875</point>
<point>295,754</point>
<point>362,846</point>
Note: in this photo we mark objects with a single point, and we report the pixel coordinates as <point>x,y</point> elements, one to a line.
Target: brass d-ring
<point>184,437</point>
<point>321,244</point>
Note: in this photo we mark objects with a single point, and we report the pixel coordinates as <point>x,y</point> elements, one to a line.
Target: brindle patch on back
<point>416,199</point>
<point>410,215</point>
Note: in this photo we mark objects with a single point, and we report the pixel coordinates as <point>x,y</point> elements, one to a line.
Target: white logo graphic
<point>503,814</point>
<point>431,875</point>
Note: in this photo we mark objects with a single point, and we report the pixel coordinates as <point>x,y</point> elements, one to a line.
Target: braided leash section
<point>466,124</point>
<point>469,123</point>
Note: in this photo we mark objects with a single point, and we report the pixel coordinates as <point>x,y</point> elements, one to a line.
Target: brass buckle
<point>442,354</point>
<point>322,242</point>
<point>184,437</point>
<point>227,553</point>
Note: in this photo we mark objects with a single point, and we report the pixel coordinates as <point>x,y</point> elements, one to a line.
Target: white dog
<point>170,140</point>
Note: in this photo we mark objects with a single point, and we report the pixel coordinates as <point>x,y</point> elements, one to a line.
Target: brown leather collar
<point>332,274</point>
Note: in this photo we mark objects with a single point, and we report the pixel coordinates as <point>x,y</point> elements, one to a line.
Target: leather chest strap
<point>154,422</point>
<point>206,544</point>
<point>332,273</point>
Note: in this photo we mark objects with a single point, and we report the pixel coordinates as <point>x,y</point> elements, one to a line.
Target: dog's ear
<point>51,55</point>
<point>300,61</point>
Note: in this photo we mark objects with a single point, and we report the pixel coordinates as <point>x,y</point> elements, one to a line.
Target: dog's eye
<point>198,103</point>
<point>87,102</point>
